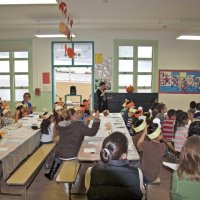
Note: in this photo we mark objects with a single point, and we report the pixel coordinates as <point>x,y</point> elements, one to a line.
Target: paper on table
<point>171,165</point>
<point>89,150</point>
<point>3,149</point>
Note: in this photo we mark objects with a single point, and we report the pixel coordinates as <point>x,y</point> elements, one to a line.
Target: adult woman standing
<point>102,99</point>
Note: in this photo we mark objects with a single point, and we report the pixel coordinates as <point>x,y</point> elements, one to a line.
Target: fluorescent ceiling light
<point>20,2</point>
<point>54,35</point>
<point>188,37</point>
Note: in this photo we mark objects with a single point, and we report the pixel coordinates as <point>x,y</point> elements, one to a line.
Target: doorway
<point>77,71</point>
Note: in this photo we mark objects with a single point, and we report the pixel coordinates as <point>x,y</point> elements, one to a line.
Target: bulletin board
<point>179,81</point>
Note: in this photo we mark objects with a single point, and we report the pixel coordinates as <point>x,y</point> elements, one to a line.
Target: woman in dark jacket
<point>71,135</point>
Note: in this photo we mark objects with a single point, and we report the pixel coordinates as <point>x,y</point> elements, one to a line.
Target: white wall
<point>172,54</point>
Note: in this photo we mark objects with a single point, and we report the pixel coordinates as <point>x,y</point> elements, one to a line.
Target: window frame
<point>135,73</point>
<point>12,73</point>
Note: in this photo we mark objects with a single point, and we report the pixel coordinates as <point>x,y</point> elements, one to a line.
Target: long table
<point>17,143</point>
<point>91,146</point>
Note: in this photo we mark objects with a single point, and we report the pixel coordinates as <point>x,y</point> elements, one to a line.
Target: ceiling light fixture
<point>54,35</point>
<point>188,37</point>
<point>20,2</point>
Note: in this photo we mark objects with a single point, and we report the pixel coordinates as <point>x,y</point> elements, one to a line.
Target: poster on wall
<point>179,81</point>
<point>103,72</point>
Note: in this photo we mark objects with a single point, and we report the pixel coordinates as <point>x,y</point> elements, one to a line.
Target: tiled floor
<point>43,189</point>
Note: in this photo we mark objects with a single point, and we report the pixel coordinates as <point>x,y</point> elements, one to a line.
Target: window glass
<point>125,65</point>
<point>73,74</point>
<point>21,65</point>
<point>144,80</point>
<point>5,94</point>
<point>144,66</point>
<point>60,55</point>
<point>4,81</point>
<point>4,54</point>
<point>126,51</point>
<point>4,66</point>
<point>21,54</point>
<point>19,94</point>
<point>21,81</point>
<point>144,52</point>
<point>83,53</point>
<point>125,79</point>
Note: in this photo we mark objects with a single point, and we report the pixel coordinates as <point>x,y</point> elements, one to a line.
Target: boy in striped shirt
<point>168,125</point>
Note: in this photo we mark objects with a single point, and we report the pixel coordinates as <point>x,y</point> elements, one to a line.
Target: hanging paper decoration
<point>63,8</point>
<point>65,28</point>
<point>69,52</point>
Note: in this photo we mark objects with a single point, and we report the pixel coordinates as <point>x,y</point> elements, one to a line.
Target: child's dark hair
<point>136,122</point>
<point>113,147</point>
<point>161,107</point>
<point>154,106</point>
<point>198,107</point>
<point>171,113</point>
<point>102,83</point>
<point>27,94</point>
<point>193,104</point>
<point>178,111</point>
<point>194,129</point>
<point>180,117</point>
<point>45,126</point>
<point>151,128</point>
<point>19,107</point>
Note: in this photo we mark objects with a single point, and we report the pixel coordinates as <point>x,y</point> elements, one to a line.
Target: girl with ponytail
<point>113,177</point>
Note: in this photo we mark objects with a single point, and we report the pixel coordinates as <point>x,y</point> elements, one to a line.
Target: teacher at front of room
<point>102,99</point>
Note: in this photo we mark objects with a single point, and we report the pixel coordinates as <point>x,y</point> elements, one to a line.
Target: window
<point>135,64</point>
<point>14,75</point>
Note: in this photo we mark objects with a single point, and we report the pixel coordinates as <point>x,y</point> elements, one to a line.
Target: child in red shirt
<point>168,125</point>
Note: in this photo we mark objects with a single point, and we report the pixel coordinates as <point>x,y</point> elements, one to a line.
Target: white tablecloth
<point>91,146</point>
<point>18,143</point>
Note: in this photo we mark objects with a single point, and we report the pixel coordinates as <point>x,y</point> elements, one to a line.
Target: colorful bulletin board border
<point>179,81</point>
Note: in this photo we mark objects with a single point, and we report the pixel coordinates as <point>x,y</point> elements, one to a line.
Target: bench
<point>24,175</point>
<point>156,182</point>
<point>68,173</point>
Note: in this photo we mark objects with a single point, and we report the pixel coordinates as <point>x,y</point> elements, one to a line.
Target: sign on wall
<point>179,81</point>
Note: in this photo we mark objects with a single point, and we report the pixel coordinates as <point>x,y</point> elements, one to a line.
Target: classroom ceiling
<point>179,15</point>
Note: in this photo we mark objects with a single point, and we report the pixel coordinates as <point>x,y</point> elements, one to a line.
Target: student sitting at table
<point>113,178</point>
<point>180,130</point>
<point>26,100</point>
<point>7,117</point>
<point>138,126</point>
<point>86,103</point>
<point>194,128</point>
<point>131,113</point>
<point>168,125</point>
<point>186,180</point>
<point>153,152</point>
<point>71,133</point>
<point>21,111</point>
<point>47,128</point>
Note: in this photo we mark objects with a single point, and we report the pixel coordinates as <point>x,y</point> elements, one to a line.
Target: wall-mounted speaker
<point>72,90</point>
